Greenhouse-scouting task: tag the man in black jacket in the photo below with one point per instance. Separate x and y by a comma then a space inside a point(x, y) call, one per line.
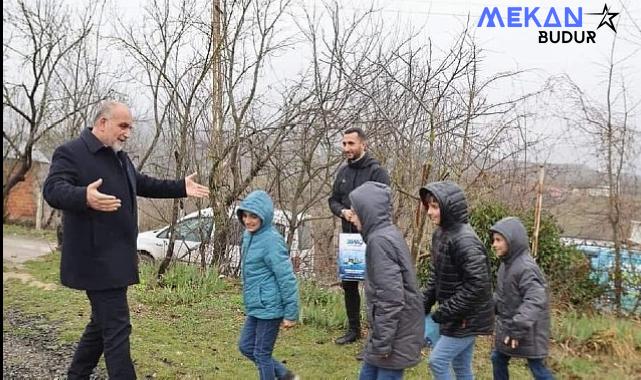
point(100, 231)
point(459, 282)
point(360, 168)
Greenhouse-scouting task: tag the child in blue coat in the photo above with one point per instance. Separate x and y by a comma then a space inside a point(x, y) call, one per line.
point(270, 291)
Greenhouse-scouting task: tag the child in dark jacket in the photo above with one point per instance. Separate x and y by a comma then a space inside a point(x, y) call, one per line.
point(521, 302)
point(270, 291)
point(394, 303)
point(460, 282)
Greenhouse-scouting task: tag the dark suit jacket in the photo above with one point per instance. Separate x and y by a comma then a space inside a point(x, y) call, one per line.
point(99, 248)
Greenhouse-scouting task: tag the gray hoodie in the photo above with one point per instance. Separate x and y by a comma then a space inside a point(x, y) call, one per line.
point(521, 297)
point(394, 304)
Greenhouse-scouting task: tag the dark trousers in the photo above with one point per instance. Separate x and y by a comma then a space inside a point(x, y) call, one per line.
point(257, 342)
point(107, 332)
point(352, 304)
point(500, 363)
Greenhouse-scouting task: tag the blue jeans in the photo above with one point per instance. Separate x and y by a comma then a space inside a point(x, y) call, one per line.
point(500, 361)
point(452, 353)
point(370, 372)
point(257, 341)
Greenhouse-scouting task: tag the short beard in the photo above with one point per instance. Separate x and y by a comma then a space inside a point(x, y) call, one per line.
point(117, 146)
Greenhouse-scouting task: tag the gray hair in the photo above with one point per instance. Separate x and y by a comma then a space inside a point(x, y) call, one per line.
point(104, 110)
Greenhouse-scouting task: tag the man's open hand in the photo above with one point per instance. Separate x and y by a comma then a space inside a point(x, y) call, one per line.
point(99, 201)
point(195, 189)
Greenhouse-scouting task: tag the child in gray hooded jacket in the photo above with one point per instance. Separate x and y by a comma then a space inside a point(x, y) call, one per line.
point(521, 302)
point(394, 303)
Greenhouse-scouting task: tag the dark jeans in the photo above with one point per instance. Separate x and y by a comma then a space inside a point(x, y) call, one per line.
point(500, 362)
point(257, 341)
point(370, 372)
point(352, 304)
point(107, 332)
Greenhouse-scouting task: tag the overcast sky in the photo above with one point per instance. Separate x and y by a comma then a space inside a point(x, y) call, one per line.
point(504, 49)
point(518, 49)
point(508, 49)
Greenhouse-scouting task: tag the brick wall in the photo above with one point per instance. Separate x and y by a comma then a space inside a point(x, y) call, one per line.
point(22, 202)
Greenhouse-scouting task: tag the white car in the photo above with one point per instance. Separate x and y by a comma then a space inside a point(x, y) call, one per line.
point(196, 227)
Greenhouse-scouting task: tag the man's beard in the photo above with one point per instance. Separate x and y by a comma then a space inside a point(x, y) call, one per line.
point(117, 146)
point(356, 155)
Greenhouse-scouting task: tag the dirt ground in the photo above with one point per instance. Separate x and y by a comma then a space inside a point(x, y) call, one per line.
point(36, 353)
point(30, 347)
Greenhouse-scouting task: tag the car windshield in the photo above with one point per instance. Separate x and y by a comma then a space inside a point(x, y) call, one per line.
point(192, 229)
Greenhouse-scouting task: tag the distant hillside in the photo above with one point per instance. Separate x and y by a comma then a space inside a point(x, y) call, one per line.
point(575, 194)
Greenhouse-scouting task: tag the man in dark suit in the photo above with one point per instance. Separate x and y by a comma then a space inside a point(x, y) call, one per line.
point(359, 168)
point(100, 230)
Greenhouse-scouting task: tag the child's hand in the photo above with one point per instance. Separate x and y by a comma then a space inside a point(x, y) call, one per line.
point(287, 323)
point(511, 342)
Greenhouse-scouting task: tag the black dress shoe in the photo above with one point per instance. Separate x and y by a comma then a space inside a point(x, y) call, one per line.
point(350, 337)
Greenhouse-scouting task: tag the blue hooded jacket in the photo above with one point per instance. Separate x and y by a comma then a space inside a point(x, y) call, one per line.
point(270, 290)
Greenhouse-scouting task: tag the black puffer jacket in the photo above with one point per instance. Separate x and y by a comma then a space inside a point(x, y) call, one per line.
point(460, 281)
point(521, 297)
point(351, 176)
point(394, 303)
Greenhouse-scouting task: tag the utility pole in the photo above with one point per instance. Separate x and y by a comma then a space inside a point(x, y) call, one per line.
point(217, 149)
point(216, 69)
point(537, 211)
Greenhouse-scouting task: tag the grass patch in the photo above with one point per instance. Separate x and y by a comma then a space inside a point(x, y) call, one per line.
point(591, 346)
point(23, 231)
point(186, 327)
point(599, 334)
point(323, 307)
point(46, 268)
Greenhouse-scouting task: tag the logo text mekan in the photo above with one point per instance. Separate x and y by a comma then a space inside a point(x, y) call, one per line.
point(566, 17)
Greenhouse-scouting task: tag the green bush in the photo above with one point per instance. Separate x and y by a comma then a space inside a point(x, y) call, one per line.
point(567, 269)
point(423, 270)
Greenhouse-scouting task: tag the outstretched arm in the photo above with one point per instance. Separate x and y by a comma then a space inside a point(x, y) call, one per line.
point(150, 187)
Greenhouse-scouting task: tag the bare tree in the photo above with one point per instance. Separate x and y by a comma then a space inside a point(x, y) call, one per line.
point(428, 116)
point(44, 36)
point(607, 124)
point(175, 73)
point(250, 130)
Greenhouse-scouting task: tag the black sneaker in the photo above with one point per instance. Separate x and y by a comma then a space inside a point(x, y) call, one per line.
point(350, 337)
point(290, 376)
